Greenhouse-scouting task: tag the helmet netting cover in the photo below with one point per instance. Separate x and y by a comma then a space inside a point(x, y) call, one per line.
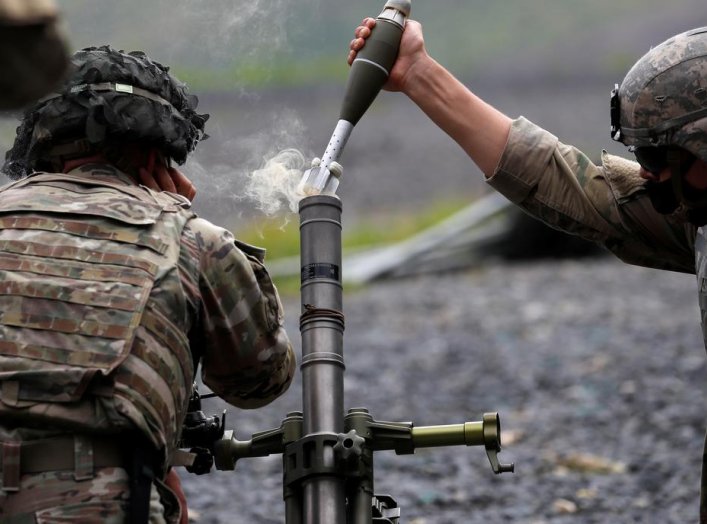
point(104, 117)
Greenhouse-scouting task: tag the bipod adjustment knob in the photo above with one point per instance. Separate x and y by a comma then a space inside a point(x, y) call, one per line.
point(200, 433)
point(492, 443)
point(349, 446)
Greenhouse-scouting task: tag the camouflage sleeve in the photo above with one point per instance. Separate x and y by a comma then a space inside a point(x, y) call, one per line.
point(247, 358)
point(607, 204)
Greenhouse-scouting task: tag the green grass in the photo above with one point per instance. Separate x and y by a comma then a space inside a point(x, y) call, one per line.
point(313, 36)
point(464, 36)
point(282, 239)
point(253, 75)
point(397, 227)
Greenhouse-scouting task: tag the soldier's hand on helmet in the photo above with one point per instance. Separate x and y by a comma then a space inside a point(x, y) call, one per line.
point(411, 56)
point(157, 175)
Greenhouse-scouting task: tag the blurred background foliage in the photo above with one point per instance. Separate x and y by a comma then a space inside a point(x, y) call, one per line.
point(222, 44)
point(271, 74)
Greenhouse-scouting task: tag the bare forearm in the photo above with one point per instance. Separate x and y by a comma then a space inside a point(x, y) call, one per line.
point(480, 129)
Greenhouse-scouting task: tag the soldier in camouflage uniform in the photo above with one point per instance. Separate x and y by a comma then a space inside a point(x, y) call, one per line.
point(111, 294)
point(650, 212)
point(33, 57)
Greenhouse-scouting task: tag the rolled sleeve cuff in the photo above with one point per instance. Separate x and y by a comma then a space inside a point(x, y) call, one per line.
point(517, 173)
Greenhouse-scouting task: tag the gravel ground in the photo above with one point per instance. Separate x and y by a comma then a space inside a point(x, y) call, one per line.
point(596, 368)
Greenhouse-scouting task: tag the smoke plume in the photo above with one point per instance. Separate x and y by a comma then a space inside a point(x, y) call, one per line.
point(234, 30)
point(261, 167)
point(254, 173)
point(273, 186)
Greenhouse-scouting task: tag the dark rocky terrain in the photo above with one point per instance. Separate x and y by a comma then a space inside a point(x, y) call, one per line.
point(596, 368)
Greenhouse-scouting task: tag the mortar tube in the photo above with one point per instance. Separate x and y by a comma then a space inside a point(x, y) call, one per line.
point(322, 365)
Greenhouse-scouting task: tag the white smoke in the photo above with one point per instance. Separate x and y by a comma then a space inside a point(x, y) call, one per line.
point(233, 30)
point(273, 186)
point(278, 164)
point(258, 169)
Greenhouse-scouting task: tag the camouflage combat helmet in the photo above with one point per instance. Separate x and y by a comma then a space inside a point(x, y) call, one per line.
point(110, 97)
point(662, 100)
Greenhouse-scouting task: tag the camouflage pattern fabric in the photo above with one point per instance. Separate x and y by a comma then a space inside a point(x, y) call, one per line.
point(78, 267)
point(33, 55)
point(663, 99)
point(55, 496)
point(109, 296)
point(607, 204)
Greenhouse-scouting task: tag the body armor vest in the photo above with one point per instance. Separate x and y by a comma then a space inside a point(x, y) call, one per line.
point(93, 319)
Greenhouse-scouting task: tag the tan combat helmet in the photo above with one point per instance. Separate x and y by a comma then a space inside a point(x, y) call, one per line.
point(662, 100)
point(33, 56)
